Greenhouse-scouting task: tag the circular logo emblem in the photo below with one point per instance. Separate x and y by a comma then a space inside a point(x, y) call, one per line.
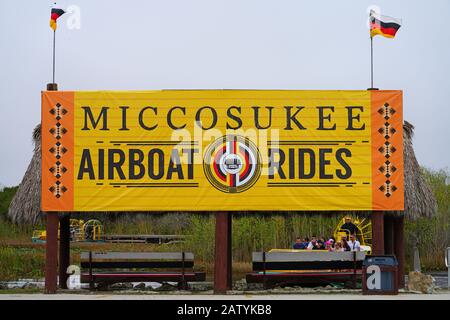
point(232, 164)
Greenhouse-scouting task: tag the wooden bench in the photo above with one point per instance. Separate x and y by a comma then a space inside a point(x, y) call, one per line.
point(305, 267)
point(181, 265)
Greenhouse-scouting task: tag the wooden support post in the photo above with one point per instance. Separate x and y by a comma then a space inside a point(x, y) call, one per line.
point(377, 232)
point(388, 234)
point(223, 258)
point(230, 252)
point(91, 277)
point(51, 244)
point(264, 271)
point(183, 278)
point(64, 249)
point(354, 270)
point(51, 253)
point(399, 249)
point(52, 87)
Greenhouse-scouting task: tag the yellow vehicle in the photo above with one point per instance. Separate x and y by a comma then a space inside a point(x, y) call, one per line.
point(76, 226)
point(39, 236)
point(363, 234)
point(91, 230)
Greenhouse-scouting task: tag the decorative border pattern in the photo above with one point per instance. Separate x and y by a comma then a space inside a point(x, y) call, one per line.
point(387, 149)
point(58, 150)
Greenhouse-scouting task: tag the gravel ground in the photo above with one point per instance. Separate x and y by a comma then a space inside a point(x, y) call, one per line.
point(203, 290)
point(403, 296)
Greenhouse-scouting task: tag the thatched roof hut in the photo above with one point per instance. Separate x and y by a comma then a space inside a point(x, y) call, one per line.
point(419, 198)
point(26, 204)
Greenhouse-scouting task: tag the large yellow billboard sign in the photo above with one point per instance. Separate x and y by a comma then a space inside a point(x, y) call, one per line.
point(229, 150)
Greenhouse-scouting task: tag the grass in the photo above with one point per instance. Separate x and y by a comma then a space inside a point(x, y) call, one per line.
point(21, 291)
point(21, 262)
point(13, 232)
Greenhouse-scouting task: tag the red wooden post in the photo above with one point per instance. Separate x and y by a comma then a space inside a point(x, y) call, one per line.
point(389, 234)
point(230, 252)
point(64, 250)
point(223, 258)
point(399, 249)
point(377, 232)
point(51, 244)
point(51, 253)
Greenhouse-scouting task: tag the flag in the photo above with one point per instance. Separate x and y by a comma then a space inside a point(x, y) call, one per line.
point(56, 13)
point(383, 25)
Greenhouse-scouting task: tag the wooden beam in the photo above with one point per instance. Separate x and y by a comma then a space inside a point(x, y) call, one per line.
point(230, 252)
point(223, 258)
point(377, 232)
point(51, 243)
point(52, 87)
point(137, 256)
point(399, 249)
point(64, 249)
point(51, 253)
point(388, 234)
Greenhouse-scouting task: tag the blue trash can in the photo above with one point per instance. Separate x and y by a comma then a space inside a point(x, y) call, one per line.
point(380, 275)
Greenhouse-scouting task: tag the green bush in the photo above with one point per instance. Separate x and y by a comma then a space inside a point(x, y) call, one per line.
point(432, 236)
point(6, 196)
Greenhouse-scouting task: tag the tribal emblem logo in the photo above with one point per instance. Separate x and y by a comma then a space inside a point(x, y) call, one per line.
point(232, 164)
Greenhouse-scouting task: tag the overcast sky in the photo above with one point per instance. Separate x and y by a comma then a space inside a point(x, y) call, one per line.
point(231, 44)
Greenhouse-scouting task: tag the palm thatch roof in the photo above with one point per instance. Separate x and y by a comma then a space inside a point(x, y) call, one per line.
point(419, 198)
point(25, 207)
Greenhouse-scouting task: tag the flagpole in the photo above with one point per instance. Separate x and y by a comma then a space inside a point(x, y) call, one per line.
point(371, 53)
point(371, 62)
point(54, 45)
